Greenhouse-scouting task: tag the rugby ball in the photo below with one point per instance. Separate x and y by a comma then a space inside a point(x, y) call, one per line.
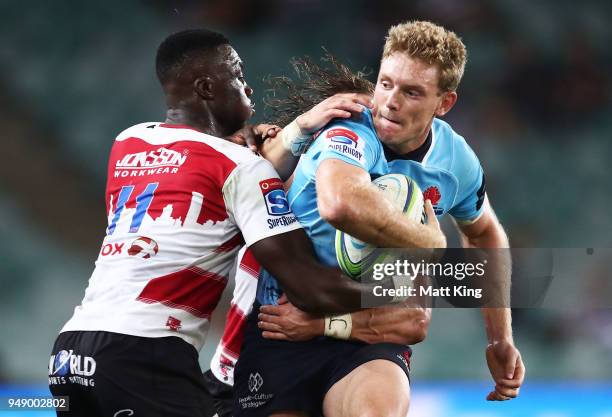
point(356, 257)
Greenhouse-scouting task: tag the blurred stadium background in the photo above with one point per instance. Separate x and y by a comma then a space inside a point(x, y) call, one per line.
point(535, 104)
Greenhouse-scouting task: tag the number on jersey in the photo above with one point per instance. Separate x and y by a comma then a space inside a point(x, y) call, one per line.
point(143, 202)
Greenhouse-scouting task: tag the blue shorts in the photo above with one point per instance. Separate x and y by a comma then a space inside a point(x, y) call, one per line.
point(273, 375)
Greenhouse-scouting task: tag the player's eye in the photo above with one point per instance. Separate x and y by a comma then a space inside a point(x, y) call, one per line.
point(385, 84)
point(240, 76)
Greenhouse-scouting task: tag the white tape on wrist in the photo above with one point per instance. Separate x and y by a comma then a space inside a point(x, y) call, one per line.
point(294, 140)
point(339, 327)
point(401, 285)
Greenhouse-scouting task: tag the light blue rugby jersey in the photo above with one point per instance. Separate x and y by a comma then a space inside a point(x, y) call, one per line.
point(351, 141)
point(447, 170)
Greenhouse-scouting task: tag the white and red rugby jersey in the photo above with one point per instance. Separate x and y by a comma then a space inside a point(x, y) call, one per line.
point(226, 355)
point(180, 205)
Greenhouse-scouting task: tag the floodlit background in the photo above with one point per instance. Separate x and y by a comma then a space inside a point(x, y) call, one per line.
point(535, 104)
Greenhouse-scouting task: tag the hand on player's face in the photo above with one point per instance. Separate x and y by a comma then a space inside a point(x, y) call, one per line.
point(253, 136)
point(342, 105)
point(507, 369)
point(286, 322)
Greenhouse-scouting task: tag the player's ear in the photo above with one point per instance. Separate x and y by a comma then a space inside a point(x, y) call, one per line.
point(204, 87)
point(449, 99)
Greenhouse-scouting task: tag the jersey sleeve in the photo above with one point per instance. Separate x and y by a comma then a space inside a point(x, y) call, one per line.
point(471, 192)
point(350, 142)
point(256, 201)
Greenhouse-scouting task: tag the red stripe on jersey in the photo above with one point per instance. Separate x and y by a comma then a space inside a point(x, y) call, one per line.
point(133, 162)
point(249, 264)
point(233, 335)
point(193, 290)
point(232, 243)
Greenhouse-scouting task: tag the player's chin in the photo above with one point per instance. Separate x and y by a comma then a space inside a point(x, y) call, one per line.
point(245, 111)
point(388, 138)
point(249, 107)
point(390, 135)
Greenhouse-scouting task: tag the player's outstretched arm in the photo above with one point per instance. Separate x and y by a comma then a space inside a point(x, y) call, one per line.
point(314, 288)
point(503, 358)
point(348, 201)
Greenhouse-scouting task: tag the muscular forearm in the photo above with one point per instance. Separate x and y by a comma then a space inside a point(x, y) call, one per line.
point(328, 291)
point(356, 208)
point(498, 324)
point(391, 325)
point(497, 317)
point(383, 226)
point(403, 324)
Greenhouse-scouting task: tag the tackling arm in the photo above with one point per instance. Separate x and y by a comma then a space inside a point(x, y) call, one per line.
point(404, 325)
point(308, 284)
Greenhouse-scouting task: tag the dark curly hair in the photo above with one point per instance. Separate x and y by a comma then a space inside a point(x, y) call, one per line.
point(183, 48)
point(287, 98)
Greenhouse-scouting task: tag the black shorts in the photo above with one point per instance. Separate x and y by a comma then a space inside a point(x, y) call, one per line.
point(273, 375)
point(110, 374)
point(221, 396)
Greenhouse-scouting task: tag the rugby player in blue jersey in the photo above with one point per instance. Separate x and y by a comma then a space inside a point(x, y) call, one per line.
point(421, 68)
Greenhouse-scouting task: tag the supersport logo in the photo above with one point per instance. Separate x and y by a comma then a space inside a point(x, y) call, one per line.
point(343, 136)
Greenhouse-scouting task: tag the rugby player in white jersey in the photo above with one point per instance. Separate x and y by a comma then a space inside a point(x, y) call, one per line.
point(181, 201)
point(420, 70)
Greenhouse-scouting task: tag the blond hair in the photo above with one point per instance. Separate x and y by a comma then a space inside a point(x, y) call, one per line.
point(434, 45)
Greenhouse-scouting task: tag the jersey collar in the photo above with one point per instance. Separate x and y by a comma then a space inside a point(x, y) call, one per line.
point(416, 155)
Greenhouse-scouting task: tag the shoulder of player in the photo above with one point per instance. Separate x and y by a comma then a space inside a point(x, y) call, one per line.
point(157, 133)
point(360, 128)
point(453, 144)
point(244, 175)
point(135, 130)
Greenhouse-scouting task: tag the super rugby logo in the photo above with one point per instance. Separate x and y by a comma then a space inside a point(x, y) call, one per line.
point(346, 142)
point(274, 196)
point(343, 136)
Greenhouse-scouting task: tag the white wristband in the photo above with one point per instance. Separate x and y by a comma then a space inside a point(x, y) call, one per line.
point(339, 326)
point(294, 140)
